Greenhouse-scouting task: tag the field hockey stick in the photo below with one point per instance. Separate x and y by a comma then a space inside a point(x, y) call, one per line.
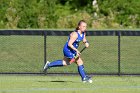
point(82, 49)
point(73, 60)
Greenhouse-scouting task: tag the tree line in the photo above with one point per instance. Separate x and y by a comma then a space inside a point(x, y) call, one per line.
point(44, 14)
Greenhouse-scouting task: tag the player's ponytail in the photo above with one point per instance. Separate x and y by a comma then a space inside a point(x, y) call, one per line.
point(79, 23)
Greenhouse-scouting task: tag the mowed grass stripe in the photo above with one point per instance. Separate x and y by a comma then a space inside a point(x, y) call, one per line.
point(42, 84)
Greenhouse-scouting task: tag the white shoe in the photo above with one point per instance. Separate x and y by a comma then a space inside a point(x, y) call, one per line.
point(46, 65)
point(87, 79)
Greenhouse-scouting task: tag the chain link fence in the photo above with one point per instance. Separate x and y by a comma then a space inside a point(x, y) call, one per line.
point(26, 51)
point(21, 54)
point(130, 54)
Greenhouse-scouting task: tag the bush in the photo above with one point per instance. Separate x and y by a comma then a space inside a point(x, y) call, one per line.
point(71, 21)
point(66, 13)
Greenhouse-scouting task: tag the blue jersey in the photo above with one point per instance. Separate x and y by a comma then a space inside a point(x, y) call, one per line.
point(70, 53)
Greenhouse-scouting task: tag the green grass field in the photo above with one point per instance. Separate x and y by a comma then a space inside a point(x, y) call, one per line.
point(68, 84)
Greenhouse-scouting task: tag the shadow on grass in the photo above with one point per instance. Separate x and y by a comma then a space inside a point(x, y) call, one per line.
point(57, 81)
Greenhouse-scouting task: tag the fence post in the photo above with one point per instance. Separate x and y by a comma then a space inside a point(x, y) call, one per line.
point(119, 53)
point(45, 47)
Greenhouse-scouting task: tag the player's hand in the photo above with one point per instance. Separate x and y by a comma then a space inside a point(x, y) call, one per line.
point(78, 53)
point(87, 45)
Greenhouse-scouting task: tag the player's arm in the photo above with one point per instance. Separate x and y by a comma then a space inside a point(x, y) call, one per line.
point(85, 41)
point(73, 37)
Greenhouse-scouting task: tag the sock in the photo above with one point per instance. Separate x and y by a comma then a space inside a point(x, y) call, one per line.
point(56, 63)
point(81, 71)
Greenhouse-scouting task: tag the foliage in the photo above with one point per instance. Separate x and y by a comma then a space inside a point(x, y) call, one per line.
point(125, 12)
point(52, 13)
point(72, 19)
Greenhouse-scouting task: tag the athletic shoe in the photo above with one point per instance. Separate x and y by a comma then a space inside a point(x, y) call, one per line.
point(87, 79)
point(46, 66)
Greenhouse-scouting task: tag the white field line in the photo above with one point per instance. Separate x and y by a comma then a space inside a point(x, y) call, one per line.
point(69, 89)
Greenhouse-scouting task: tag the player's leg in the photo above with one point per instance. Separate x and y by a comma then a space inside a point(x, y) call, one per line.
point(80, 67)
point(66, 61)
point(56, 63)
point(81, 71)
point(67, 56)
